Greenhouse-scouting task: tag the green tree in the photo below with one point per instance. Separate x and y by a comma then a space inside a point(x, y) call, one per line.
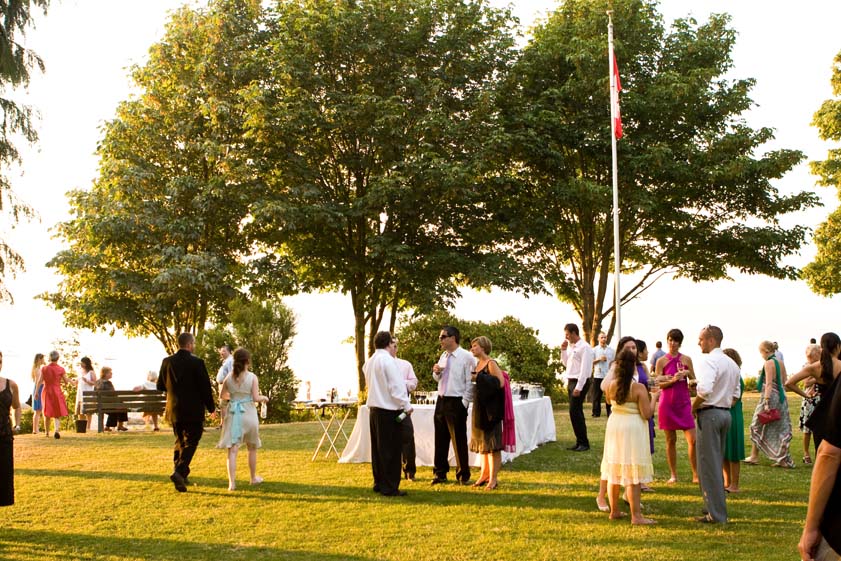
point(266, 329)
point(369, 133)
point(524, 355)
point(155, 247)
point(16, 119)
point(696, 197)
point(823, 275)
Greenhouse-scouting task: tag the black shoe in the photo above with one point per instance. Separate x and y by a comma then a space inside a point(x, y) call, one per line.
point(596, 416)
point(57, 436)
point(397, 493)
point(410, 477)
point(179, 481)
point(438, 480)
point(463, 481)
point(573, 447)
point(581, 448)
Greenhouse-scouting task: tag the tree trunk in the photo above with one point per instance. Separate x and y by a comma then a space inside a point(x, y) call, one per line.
point(359, 337)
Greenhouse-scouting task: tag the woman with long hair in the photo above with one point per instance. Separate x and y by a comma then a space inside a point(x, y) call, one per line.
point(771, 438)
point(37, 388)
point(241, 425)
point(629, 344)
point(643, 378)
point(627, 459)
point(674, 375)
point(86, 382)
point(823, 373)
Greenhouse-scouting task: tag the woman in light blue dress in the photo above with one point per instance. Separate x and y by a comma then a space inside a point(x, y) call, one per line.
point(241, 425)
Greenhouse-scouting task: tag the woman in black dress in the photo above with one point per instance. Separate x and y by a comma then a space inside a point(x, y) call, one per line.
point(488, 411)
point(9, 399)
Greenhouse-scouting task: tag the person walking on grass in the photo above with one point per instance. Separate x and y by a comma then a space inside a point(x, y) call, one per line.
point(184, 378)
point(55, 406)
point(241, 424)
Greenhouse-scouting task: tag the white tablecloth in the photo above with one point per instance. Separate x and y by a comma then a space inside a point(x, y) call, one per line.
point(533, 418)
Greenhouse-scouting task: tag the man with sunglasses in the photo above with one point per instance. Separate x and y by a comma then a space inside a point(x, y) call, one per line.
point(453, 372)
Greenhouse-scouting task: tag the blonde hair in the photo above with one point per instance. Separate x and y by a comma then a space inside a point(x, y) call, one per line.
point(483, 342)
point(103, 371)
point(152, 376)
point(813, 351)
point(768, 346)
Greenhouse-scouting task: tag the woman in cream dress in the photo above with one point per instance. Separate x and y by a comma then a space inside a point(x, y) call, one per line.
point(241, 425)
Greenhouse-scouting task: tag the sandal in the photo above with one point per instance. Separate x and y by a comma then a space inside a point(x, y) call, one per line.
point(807, 459)
point(751, 462)
point(480, 483)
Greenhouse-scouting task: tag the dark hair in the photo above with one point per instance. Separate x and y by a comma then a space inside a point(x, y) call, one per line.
point(185, 339)
point(382, 339)
point(658, 344)
point(641, 346)
point(733, 355)
point(226, 346)
point(241, 359)
point(572, 328)
point(830, 345)
point(675, 335)
point(812, 341)
point(621, 344)
point(86, 364)
point(452, 332)
point(626, 367)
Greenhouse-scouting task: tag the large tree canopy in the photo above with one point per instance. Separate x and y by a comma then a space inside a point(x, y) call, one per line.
point(16, 64)
point(155, 246)
point(370, 132)
point(824, 274)
point(696, 195)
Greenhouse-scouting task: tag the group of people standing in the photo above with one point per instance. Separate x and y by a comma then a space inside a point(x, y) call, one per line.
point(463, 378)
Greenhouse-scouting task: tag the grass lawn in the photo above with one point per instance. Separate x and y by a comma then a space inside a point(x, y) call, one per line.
point(108, 497)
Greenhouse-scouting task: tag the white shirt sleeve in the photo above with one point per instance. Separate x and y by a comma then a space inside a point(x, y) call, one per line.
point(586, 367)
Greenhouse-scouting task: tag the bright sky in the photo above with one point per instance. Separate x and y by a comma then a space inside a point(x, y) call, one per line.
point(87, 46)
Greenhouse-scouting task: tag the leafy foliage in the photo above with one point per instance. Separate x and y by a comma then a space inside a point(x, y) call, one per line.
point(155, 246)
point(369, 132)
point(526, 356)
point(823, 275)
point(695, 198)
point(16, 64)
point(266, 329)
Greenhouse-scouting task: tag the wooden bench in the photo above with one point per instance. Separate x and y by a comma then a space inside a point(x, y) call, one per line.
point(121, 401)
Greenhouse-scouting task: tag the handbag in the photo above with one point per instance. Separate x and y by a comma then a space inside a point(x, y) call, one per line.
point(769, 416)
point(29, 401)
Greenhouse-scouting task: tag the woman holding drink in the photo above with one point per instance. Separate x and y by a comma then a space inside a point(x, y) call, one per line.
point(674, 376)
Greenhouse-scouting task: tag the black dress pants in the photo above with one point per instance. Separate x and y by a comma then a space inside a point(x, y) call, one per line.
point(407, 436)
point(450, 423)
point(597, 397)
point(385, 449)
point(187, 437)
point(576, 412)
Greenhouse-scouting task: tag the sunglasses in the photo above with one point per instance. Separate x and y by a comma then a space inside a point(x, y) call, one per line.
point(442, 337)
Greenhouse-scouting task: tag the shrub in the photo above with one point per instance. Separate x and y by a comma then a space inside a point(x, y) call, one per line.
point(517, 345)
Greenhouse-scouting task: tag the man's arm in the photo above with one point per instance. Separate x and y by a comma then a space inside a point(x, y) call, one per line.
point(411, 379)
point(204, 387)
point(586, 369)
point(469, 388)
point(162, 374)
point(396, 384)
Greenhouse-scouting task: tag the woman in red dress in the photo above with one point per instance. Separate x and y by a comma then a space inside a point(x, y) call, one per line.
point(55, 406)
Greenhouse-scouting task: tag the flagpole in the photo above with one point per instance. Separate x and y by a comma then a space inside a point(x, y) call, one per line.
point(617, 260)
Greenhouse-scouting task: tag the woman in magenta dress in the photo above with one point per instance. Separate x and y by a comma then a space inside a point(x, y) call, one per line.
point(674, 374)
point(55, 406)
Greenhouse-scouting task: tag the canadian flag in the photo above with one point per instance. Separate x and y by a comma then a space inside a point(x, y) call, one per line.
point(615, 88)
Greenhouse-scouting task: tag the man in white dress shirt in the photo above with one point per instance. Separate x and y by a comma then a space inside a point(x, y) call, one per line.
point(227, 367)
point(453, 372)
point(718, 389)
point(602, 357)
point(407, 429)
point(577, 357)
point(388, 406)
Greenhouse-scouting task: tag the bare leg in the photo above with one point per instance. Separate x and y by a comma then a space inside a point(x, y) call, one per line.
point(36, 422)
point(47, 426)
point(735, 471)
point(601, 499)
point(725, 471)
point(613, 495)
point(693, 456)
point(252, 465)
point(633, 492)
point(671, 454)
point(754, 454)
point(495, 463)
point(232, 467)
point(807, 437)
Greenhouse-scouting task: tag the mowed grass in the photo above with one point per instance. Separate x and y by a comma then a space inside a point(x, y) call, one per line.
point(108, 497)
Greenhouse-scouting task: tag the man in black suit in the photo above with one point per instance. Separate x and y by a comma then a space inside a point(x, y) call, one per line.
point(186, 382)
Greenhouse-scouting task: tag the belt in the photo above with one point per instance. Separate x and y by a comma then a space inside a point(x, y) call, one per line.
point(713, 407)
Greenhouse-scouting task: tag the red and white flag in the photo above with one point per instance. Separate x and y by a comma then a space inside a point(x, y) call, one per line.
point(615, 88)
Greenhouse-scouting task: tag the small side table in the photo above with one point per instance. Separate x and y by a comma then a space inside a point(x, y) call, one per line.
point(336, 413)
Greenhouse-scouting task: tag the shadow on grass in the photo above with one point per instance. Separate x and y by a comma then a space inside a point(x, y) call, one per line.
point(18, 544)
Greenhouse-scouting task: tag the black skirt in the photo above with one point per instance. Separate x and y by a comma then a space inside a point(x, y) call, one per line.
point(7, 472)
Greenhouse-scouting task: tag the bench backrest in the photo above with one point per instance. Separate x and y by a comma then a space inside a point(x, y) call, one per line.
point(147, 401)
